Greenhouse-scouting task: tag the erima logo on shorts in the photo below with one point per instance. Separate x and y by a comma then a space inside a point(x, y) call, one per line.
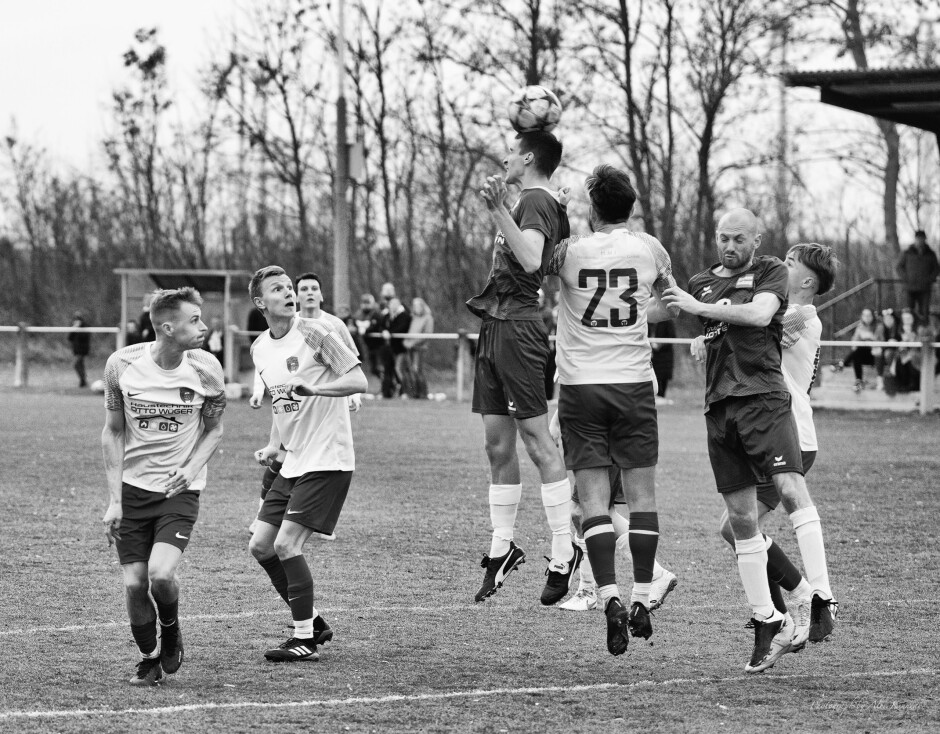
point(778, 461)
point(512, 407)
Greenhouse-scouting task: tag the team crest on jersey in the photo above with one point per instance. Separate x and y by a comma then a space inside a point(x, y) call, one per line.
point(293, 364)
point(746, 281)
point(187, 394)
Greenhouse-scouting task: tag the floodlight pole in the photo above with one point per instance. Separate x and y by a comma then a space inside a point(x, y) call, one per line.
point(341, 301)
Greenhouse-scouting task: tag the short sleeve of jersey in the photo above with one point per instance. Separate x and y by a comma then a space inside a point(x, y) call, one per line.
point(795, 325)
point(113, 397)
point(328, 348)
point(212, 380)
point(661, 259)
point(557, 261)
point(536, 209)
point(773, 279)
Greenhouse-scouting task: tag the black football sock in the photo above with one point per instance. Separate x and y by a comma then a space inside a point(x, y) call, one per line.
point(275, 570)
point(145, 635)
point(644, 538)
point(299, 590)
point(780, 569)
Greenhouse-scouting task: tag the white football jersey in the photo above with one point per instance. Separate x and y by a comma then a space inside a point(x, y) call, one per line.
point(607, 279)
point(163, 410)
point(315, 431)
point(802, 330)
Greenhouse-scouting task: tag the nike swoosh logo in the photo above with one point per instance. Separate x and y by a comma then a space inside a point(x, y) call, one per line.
point(293, 512)
point(132, 394)
point(182, 537)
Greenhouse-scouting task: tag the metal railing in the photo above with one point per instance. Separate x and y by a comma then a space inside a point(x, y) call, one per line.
point(463, 339)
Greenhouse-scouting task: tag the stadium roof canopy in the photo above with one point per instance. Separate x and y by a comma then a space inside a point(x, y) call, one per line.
point(906, 96)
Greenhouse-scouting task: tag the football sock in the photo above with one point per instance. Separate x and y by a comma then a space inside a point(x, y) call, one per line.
point(780, 569)
point(599, 538)
point(169, 627)
point(275, 570)
point(622, 531)
point(803, 591)
point(145, 635)
point(504, 501)
point(556, 498)
point(644, 537)
point(587, 572)
point(752, 566)
point(303, 629)
point(776, 596)
point(608, 592)
point(809, 537)
point(299, 590)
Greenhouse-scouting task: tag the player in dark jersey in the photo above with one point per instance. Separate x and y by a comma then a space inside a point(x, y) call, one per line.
point(741, 301)
point(508, 389)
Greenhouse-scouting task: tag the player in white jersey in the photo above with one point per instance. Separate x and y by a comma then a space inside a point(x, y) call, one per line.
point(606, 405)
point(309, 372)
point(811, 270)
point(310, 297)
point(163, 422)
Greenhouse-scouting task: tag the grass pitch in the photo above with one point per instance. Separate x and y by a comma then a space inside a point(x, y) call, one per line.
point(412, 651)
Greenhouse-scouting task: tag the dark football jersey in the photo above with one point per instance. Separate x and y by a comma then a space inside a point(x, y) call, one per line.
point(742, 360)
point(511, 292)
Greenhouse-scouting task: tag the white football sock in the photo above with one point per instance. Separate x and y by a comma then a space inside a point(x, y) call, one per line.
point(809, 537)
point(752, 566)
point(606, 593)
point(802, 591)
point(587, 573)
point(303, 628)
point(641, 593)
point(504, 501)
point(556, 498)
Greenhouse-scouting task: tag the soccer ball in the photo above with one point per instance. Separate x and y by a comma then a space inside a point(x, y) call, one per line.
point(534, 108)
point(97, 386)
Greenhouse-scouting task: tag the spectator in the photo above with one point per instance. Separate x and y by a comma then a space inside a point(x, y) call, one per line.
point(886, 330)
point(81, 344)
point(908, 360)
point(215, 339)
point(860, 355)
point(550, 320)
point(394, 364)
point(663, 359)
point(918, 268)
point(131, 333)
point(369, 331)
point(144, 324)
point(422, 322)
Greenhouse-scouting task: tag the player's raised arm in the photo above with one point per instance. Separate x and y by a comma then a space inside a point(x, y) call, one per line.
point(759, 312)
point(526, 245)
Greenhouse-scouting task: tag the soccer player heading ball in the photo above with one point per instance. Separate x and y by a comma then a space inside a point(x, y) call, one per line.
point(534, 108)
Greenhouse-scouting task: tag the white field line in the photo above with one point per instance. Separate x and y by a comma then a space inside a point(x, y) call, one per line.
point(284, 612)
point(447, 695)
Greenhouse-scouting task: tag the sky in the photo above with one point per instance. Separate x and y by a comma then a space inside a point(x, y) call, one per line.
point(61, 59)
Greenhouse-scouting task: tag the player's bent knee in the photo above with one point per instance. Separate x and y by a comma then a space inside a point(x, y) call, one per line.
point(287, 549)
point(261, 550)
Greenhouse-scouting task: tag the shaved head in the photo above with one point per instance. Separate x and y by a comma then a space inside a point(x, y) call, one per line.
point(740, 220)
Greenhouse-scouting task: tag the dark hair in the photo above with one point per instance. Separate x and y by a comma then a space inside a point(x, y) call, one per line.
point(821, 260)
point(165, 301)
point(612, 194)
point(307, 276)
point(254, 285)
point(546, 150)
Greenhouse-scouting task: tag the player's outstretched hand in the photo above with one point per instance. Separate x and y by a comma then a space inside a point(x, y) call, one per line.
point(177, 481)
point(675, 297)
point(255, 400)
point(494, 192)
point(299, 387)
point(564, 195)
point(355, 402)
point(112, 522)
point(266, 455)
point(697, 348)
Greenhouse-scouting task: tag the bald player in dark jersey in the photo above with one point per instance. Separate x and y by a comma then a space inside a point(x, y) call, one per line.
point(741, 301)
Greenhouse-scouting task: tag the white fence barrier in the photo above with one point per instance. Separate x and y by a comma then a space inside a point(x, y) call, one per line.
point(463, 339)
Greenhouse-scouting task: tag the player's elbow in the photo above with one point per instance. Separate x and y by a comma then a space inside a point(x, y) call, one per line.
point(531, 266)
point(359, 383)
